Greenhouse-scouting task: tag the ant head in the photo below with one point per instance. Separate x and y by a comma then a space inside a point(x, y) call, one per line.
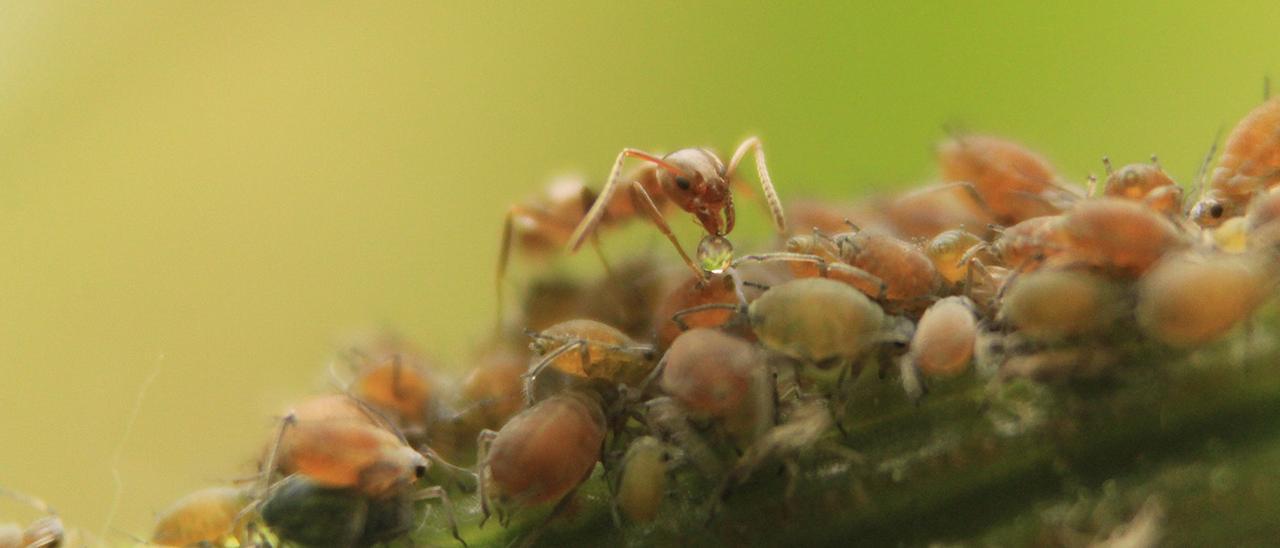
point(695, 180)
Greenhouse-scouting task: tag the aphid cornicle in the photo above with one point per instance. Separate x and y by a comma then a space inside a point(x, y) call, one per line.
point(211, 516)
point(1250, 164)
point(1188, 300)
point(695, 180)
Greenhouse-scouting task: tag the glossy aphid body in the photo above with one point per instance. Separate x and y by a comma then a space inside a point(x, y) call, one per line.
point(1053, 305)
point(911, 281)
point(1015, 183)
point(1144, 183)
point(44, 532)
point(696, 181)
point(587, 353)
point(1119, 236)
point(542, 454)
point(1190, 300)
point(716, 376)
point(1250, 164)
point(212, 516)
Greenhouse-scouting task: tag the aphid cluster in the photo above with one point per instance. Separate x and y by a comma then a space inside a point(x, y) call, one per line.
point(685, 379)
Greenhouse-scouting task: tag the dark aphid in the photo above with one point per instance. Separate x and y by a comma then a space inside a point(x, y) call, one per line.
point(302, 511)
point(695, 180)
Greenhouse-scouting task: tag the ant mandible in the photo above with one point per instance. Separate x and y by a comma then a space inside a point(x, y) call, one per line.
point(697, 181)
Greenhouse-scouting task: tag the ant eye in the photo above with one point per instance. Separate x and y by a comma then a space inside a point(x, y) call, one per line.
point(419, 471)
point(683, 183)
point(1215, 210)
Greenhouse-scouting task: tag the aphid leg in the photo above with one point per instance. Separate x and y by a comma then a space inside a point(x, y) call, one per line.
point(483, 441)
point(912, 381)
point(438, 492)
point(463, 477)
point(667, 420)
point(532, 374)
point(641, 200)
point(597, 211)
point(766, 183)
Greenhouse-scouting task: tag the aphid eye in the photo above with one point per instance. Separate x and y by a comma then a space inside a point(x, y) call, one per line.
point(419, 471)
point(683, 183)
point(1215, 210)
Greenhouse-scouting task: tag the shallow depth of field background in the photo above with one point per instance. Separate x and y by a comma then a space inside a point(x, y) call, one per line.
point(221, 192)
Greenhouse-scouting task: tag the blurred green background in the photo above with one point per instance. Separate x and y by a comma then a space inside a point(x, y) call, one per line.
point(220, 191)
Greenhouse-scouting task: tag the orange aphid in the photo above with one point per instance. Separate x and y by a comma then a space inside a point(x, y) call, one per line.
point(693, 292)
point(947, 251)
point(209, 516)
point(398, 385)
point(943, 343)
point(1146, 183)
point(1016, 184)
point(543, 453)
point(909, 277)
point(1188, 300)
point(495, 386)
point(1250, 164)
point(926, 212)
point(1024, 245)
point(1119, 236)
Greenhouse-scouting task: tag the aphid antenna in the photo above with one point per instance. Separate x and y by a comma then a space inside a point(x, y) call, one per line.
point(1106, 165)
point(1091, 185)
point(1199, 187)
point(1155, 161)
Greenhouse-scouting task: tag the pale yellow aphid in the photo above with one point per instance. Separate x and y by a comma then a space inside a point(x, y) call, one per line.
point(1189, 300)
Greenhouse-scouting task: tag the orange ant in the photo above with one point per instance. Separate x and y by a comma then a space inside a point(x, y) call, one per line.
point(45, 532)
point(694, 179)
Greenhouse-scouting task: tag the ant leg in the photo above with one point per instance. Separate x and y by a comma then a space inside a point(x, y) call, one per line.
point(766, 183)
point(641, 200)
point(597, 211)
point(438, 492)
point(866, 282)
point(531, 375)
point(483, 441)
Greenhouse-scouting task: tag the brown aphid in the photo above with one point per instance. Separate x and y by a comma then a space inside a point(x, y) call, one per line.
point(1250, 164)
point(212, 516)
point(400, 385)
point(696, 294)
point(1144, 183)
point(542, 454)
point(943, 343)
point(910, 279)
point(926, 212)
point(1016, 183)
point(718, 376)
point(695, 180)
point(1191, 300)
point(44, 532)
point(493, 391)
point(1119, 236)
point(1050, 305)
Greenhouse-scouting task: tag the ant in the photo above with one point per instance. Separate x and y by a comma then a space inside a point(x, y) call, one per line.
point(696, 180)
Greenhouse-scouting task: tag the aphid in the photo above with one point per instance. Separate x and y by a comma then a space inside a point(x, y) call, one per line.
point(1051, 305)
point(947, 252)
point(1145, 183)
point(1250, 164)
point(642, 484)
point(824, 325)
point(542, 454)
point(586, 351)
point(911, 281)
point(493, 390)
point(717, 376)
point(210, 516)
point(45, 532)
point(1015, 183)
point(926, 212)
point(303, 511)
point(1260, 222)
point(695, 180)
point(1119, 236)
point(694, 293)
point(403, 387)
point(943, 343)
point(1188, 300)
